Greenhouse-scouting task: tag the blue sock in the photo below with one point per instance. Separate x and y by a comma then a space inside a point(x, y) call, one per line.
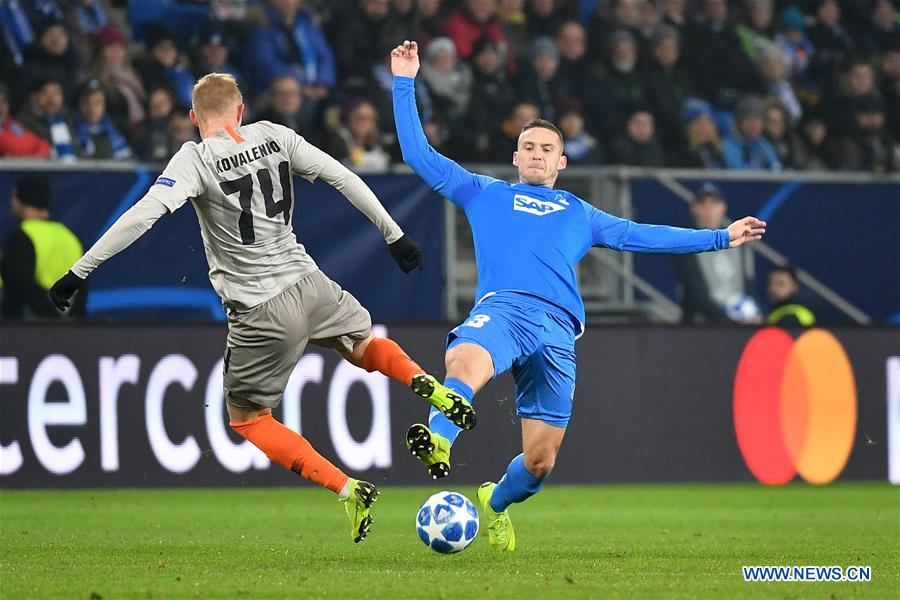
point(517, 485)
point(440, 424)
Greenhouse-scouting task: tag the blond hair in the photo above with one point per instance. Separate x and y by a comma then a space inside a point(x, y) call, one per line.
point(214, 94)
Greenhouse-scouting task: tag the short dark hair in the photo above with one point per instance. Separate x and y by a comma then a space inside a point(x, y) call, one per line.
point(34, 190)
point(542, 124)
point(788, 268)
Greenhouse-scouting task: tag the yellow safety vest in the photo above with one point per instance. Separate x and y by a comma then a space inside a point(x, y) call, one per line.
point(804, 316)
point(56, 249)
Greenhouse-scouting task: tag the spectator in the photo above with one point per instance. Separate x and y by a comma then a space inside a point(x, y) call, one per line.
point(154, 143)
point(495, 97)
point(381, 94)
point(19, 33)
point(283, 104)
point(432, 14)
point(38, 252)
point(15, 138)
point(52, 56)
point(181, 131)
point(884, 30)
point(714, 55)
point(890, 88)
point(623, 16)
point(673, 14)
point(90, 16)
point(449, 81)
point(291, 43)
point(504, 140)
point(539, 83)
point(649, 18)
point(354, 34)
point(624, 86)
point(580, 147)
point(85, 19)
point(125, 92)
point(667, 84)
point(789, 146)
point(578, 78)
point(868, 146)
point(212, 53)
point(164, 66)
point(787, 305)
point(814, 133)
point(404, 24)
point(48, 117)
point(545, 16)
point(773, 65)
point(357, 143)
point(832, 42)
point(711, 282)
point(857, 83)
point(746, 148)
point(514, 23)
point(475, 19)
point(639, 146)
point(703, 145)
point(96, 133)
point(793, 40)
point(756, 31)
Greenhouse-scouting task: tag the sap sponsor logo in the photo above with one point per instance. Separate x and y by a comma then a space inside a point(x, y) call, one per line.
point(59, 410)
point(534, 206)
point(165, 181)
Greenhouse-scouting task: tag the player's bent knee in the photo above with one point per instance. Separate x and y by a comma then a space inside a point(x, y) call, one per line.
point(540, 464)
point(470, 363)
point(242, 416)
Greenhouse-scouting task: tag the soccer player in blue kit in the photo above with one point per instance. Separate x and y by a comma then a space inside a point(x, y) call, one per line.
point(528, 238)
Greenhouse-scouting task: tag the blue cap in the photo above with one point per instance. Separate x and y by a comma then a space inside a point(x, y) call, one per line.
point(708, 189)
point(693, 108)
point(793, 18)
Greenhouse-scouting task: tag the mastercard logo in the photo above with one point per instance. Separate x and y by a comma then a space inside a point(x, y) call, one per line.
point(794, 406)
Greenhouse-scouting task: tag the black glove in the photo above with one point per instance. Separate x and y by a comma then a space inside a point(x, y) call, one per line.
point(407, 254)
point(62, 291)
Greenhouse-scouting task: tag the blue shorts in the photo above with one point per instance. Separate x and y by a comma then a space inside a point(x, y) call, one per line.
point(536, 339)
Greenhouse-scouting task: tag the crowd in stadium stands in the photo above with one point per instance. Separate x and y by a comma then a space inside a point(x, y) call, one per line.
point(741, 84)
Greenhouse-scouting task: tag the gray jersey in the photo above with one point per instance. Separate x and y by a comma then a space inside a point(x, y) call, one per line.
point(240, 183)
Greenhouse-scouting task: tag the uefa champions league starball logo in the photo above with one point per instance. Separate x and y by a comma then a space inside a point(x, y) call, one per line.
point(447, 522)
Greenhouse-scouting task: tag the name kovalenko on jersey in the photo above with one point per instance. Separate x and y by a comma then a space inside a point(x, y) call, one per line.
point(247, 156)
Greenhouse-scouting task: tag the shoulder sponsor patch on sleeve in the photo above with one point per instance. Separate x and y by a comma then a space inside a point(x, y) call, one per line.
point(165, 181)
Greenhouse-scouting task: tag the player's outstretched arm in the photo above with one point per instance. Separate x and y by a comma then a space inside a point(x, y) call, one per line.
point(125, 231)
point(745, 231)
point(609, 231)
point(178, 183)
point(439, 172)
point(312, 163)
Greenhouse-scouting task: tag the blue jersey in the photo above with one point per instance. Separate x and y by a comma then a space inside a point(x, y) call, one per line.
point(529, 238)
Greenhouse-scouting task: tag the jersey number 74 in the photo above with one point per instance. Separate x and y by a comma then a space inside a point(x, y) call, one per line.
point(243, 186)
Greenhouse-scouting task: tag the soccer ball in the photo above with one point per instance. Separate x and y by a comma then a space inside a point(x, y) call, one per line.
point(742, 308)
point(447, 522)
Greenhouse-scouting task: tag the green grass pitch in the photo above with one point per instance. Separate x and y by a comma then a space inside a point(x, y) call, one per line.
point(574, 542)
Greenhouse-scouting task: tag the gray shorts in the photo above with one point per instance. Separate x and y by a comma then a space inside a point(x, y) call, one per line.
point(265, 342)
